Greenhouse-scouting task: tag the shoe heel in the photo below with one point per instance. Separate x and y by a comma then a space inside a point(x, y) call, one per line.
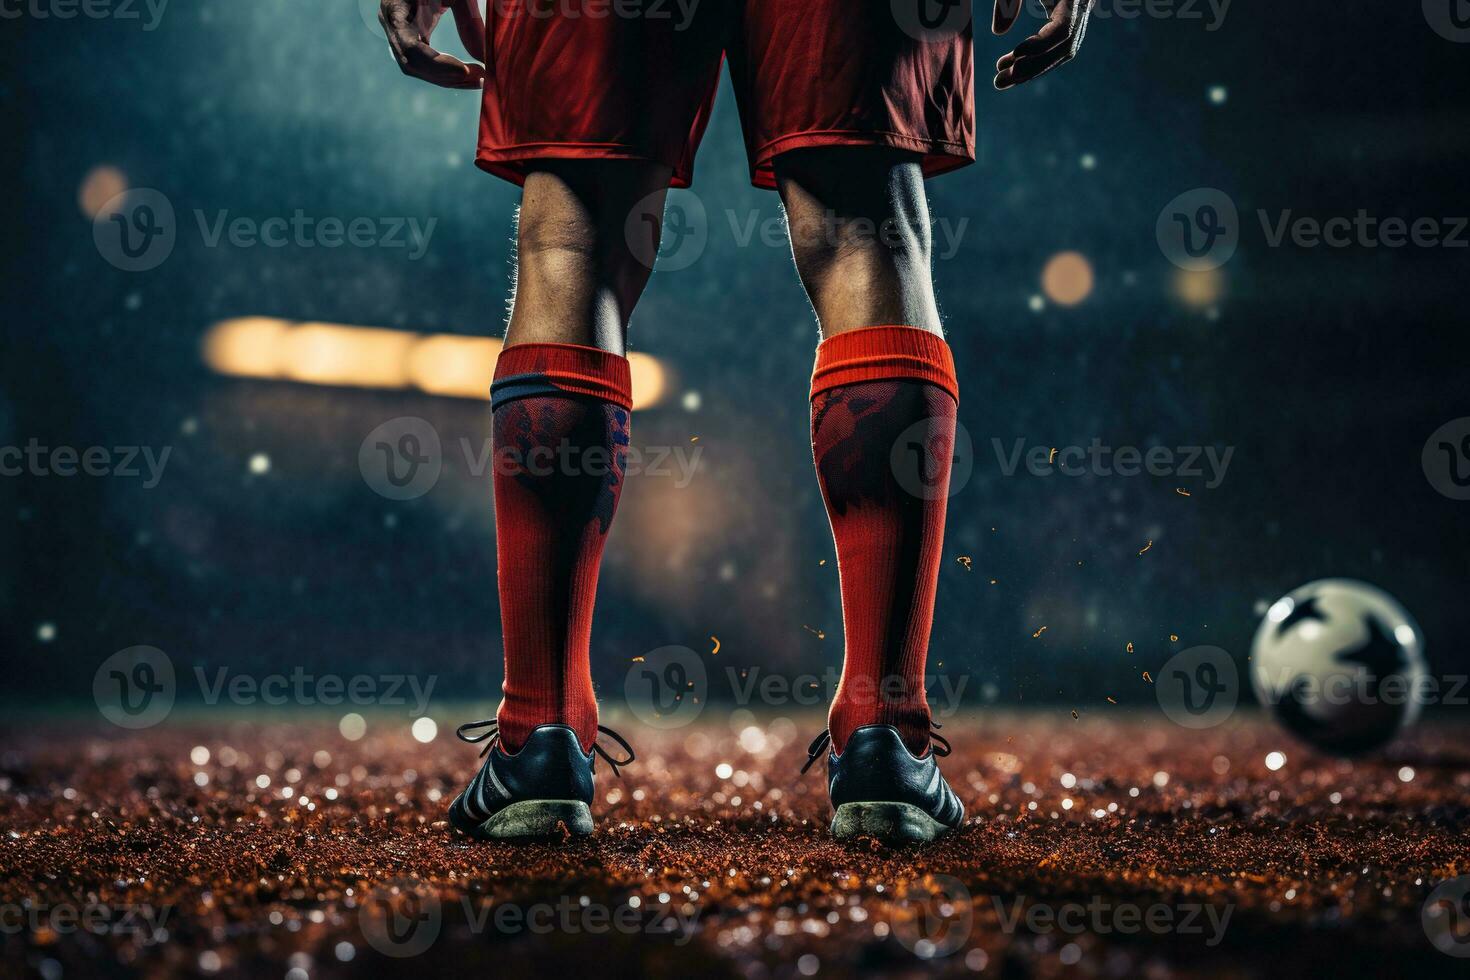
point(539, 818)
point(891, 823)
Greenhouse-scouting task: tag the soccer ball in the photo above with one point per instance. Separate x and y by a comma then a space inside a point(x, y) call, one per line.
point(1340, 664)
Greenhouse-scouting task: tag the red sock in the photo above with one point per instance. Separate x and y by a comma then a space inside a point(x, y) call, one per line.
point(560, 444)
point(872, 390)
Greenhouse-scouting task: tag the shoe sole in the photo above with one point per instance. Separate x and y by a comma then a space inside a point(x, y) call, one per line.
point(542, 819)
point(892, 823)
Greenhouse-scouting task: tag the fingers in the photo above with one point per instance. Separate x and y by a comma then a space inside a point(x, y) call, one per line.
point(1052, 46)
point(414, 55)
point(1026, 69)
point(1006, 12)
point(1051, 34)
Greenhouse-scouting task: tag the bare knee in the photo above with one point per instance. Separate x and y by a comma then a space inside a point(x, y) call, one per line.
point(578, 272)
point(860, 236)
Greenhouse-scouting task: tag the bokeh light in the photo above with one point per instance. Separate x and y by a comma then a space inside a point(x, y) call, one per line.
point(99, 188)
point(1067, 278)
point(1199, 287)
point(447, 365)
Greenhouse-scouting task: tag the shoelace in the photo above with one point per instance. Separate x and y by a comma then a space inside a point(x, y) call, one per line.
point(938, 744)
point(489, 733)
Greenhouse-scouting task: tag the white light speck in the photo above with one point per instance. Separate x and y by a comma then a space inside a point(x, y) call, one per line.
point(692, 401)
point(352, 726)
point(1219, 94)
point(424, 729)
point(46, 632)
point(199, 755)
point(1068, 780)
point(1089, 162)
point(724, 770)
point(1275, 760)
point(1036, 304)
point(1404, 633)
point(1406, 774)
point(345, 951)
point(260, 464)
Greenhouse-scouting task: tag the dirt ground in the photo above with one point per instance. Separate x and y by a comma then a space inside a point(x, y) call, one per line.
point(1119, 848)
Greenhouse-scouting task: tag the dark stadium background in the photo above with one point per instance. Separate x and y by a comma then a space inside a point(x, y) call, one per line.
point(1325, 369)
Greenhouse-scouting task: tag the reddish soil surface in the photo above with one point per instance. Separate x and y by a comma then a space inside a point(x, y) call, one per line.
point(1127, 848)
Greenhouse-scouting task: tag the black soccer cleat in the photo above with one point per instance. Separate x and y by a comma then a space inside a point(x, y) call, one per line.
point(880, 789)
point(542, 791)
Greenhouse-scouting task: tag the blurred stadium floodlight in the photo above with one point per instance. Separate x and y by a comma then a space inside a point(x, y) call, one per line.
point(369, 357)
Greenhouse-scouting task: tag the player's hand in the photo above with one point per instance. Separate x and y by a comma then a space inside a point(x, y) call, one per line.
point(409, 25)
point(1055, 44)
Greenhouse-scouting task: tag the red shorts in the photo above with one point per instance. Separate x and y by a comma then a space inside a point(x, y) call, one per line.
point(636, 79)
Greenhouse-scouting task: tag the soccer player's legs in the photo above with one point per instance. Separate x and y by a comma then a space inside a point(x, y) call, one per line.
point(884, 378)
point(561, 403)
point(860, 236)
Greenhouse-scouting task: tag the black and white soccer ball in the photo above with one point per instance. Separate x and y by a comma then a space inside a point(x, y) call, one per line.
point(1340, 664)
